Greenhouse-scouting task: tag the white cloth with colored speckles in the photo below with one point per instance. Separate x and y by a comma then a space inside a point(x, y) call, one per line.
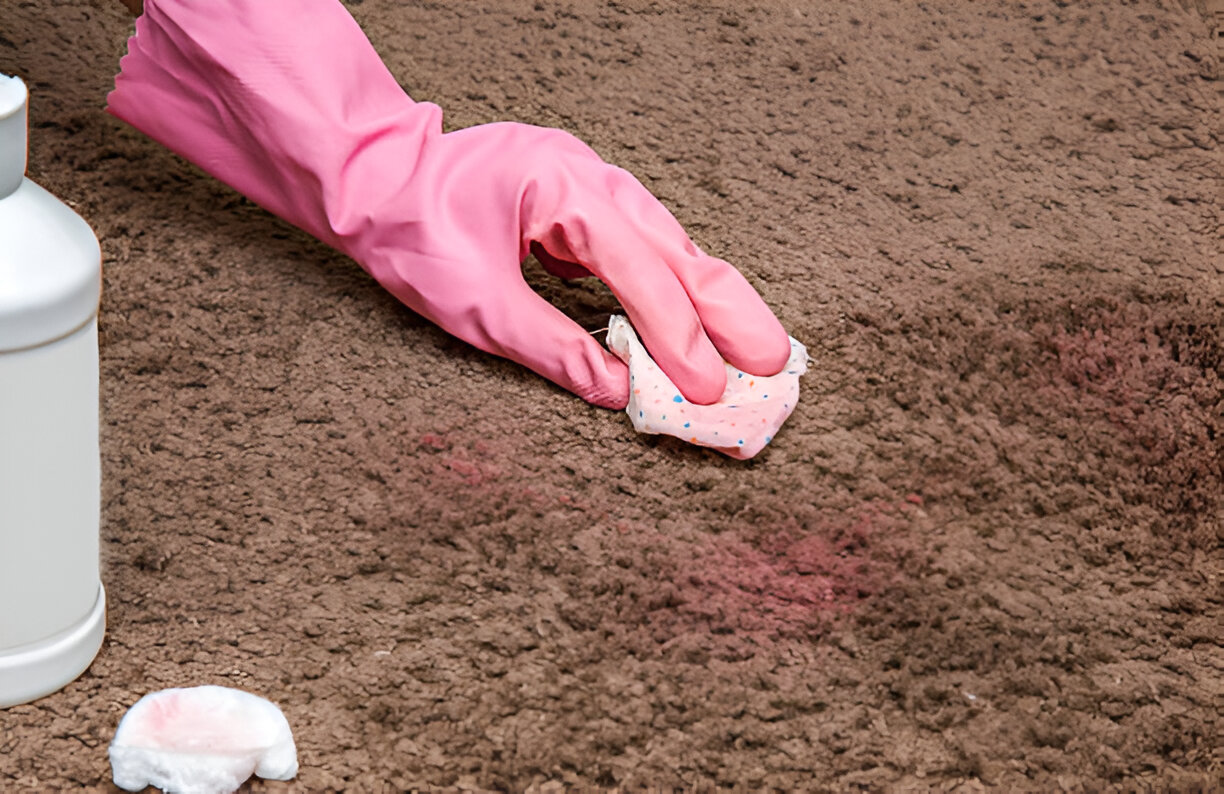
point(740, 424)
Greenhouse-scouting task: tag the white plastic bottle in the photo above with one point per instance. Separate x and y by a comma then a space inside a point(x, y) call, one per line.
point(52, 607)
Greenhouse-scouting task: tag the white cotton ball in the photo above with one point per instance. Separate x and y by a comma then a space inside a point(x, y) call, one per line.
point(201, 740)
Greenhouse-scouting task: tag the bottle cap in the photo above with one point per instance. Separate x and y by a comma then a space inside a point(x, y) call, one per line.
point(13, 101)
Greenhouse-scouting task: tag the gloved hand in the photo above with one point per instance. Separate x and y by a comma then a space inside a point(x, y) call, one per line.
point(287, 102)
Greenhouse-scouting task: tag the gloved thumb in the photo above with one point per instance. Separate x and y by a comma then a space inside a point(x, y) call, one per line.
point(526, 328)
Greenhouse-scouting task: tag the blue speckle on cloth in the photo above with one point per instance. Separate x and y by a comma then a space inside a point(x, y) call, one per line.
point(677, 399)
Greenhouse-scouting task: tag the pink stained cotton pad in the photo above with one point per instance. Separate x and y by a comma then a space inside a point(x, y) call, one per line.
point(201, 740)
point(740, 424)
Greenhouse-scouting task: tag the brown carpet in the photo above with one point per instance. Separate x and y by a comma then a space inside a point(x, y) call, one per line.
point(986, 549)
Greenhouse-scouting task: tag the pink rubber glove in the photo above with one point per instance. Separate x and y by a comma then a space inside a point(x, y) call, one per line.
point(287, 102)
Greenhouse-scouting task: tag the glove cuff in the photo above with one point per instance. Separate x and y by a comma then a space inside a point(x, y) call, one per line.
point(286, 101)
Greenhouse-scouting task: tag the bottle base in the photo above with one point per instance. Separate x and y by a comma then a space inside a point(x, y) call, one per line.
point(31, 671)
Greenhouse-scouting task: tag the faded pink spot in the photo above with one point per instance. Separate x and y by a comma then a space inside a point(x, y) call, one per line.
point(434, 441)
point(790, 580)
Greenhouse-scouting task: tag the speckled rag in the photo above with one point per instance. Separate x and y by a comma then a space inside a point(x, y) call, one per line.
point(740, 424)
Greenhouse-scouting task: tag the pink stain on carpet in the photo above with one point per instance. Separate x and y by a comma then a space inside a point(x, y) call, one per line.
point(792, 580)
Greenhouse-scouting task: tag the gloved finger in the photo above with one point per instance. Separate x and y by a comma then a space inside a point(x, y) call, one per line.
point(736, 318)
point(734, 315)
point(495, 310)
point(560, 268)
point(524, 327)
point(602, 240)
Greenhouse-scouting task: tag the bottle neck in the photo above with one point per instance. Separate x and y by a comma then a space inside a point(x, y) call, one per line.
point(14, 99)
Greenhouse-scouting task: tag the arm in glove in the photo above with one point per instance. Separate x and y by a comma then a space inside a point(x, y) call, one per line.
point(287, 102)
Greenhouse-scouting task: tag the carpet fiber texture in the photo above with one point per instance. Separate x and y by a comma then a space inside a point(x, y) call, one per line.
point(985, 551)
